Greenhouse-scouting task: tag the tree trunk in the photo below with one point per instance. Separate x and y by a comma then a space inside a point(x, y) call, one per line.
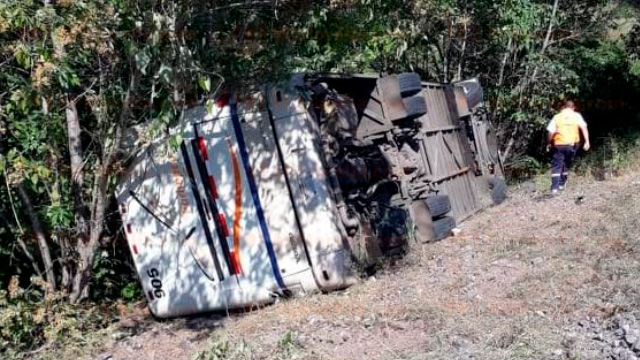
point(86, 248)
point(19, 239)
point(65, 265)
point(80, 207)
point(547, 37)
point(510, 144)
point(462, 53)
point(38, 231)
point(525, 81)
point(447, 59)
point(56, 200)
point(63, 242)
point(503, 64)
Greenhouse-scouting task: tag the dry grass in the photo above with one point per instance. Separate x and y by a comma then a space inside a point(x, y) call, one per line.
point(508, 287)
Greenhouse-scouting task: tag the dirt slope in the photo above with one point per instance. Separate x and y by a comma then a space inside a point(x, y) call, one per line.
point(515, 284)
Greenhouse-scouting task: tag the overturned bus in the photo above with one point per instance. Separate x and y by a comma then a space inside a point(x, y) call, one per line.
point(291, 189)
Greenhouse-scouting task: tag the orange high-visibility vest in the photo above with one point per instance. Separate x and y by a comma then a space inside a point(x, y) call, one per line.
point(567, 127)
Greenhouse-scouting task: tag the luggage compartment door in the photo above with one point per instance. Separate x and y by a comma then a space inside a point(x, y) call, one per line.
point(252, 198)
point(312, 197)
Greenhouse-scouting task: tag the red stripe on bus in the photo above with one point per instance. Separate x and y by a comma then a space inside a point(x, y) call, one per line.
point(202, 146)
point(213, 187)
point(223, 224)
point(222, 100)
point(235, 263)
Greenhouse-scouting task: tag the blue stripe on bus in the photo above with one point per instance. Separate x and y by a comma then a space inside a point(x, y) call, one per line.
point(254, 194)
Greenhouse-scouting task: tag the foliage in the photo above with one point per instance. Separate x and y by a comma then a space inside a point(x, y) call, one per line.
point(287, 347)
point(221, 349)
point(29, 320)
point(613, 156)
point(113, 277)
point(97, 67)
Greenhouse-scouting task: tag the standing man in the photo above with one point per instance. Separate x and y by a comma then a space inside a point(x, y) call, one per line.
point(564, 136)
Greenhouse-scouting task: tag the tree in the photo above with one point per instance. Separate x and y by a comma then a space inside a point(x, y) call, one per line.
point(63, 58)
point(76, 74)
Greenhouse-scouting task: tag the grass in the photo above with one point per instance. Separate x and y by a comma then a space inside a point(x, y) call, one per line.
point(609, 157)
point(555, 284)
point(504, 295)
point(223, 349)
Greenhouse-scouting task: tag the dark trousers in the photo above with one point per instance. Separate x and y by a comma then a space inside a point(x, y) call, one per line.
point(561, 162)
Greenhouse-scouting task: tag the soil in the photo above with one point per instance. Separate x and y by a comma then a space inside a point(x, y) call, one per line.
point(533, 278)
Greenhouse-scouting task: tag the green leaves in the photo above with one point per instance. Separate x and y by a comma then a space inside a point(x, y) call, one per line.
point(22, 56)
point(635, 68)
point(67, 77)
point(166, 74)
point(171, 48)
point(142, 61)
point(205, 83)
point(131, 291)
point(59, 215)
point(209, 105)
point(29, 134)
point(174, 142)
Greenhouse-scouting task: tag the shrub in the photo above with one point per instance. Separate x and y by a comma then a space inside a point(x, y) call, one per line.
point(29, 319)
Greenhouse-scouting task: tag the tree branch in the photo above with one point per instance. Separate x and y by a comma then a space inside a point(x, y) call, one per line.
point(38, 230)
point(21, 243)
point(547, 37)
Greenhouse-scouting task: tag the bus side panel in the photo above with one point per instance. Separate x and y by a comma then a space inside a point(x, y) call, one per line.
point(166, 237)
point(311, 193)
point(275, 199)
point(237, 207)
